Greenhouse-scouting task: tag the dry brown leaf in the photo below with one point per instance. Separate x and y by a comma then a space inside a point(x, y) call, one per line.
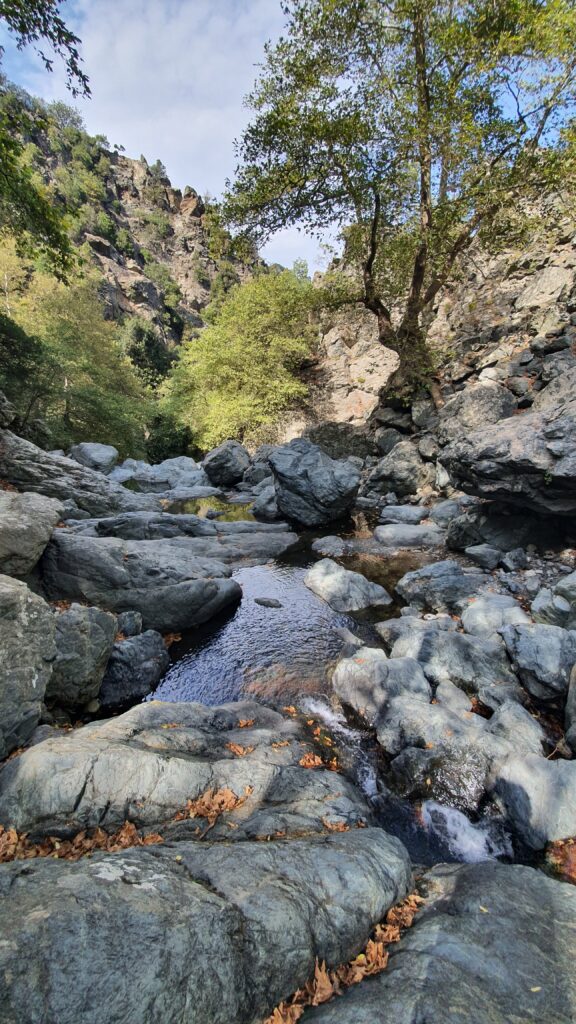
point(238, 750)
point(281, 743)
point(171, 638)
point(335, 826)
point(245, 723)
point(289, 709)
point(170, 725)
point(15, 846)
point(311, 761)
point(212, 804)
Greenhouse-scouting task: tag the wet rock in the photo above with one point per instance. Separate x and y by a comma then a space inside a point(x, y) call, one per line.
point(226, 464)
point(406, 514)
point(171, 585)
point(329, 547)
point(27, 651)
point(538, 798)
point(441, 587)
point(403, 470)
point(262, 912)
point(30, 468)
point(542, 656)
point(484, 555)
point(135, 667)
point(481, 941)
point(343, 590)
point(101, 457)
point(84, 642)
point(27, 522)
point(474, 408)
point(490, 613)
point(409, 536)
point(311, 488)
point(367, 681)
point(477, 666)
point(268, 602)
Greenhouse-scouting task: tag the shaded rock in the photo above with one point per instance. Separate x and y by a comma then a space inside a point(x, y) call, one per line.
point(445, 511)
point(30, 468)
point(102, 457)
point(226, 464)
point(441, 587)
point(409, 536)
point(477, 666)
point(480, 942)
point(343, 590)
point(27, 646)
point(259, 468)
point(167, 525)
point(513, 560)
point(538, 798)
point(266, 507)
point(542, 656)
point(409, 514)
point(367, 681)
point(7, 411)
point(474, 408)
point(490, 613)
point(171, 585)
point(26, 525)
point(403, 471)
point(386, 438)
point(557, 606)
point(311, 488)
point(484, 555)
point(136, 665)
point(268, 602)
point(486, 525)
point(84, 642)
point(130, 623)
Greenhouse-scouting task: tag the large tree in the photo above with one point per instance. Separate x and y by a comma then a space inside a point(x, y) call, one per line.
point(26, 211)
point(412, 125)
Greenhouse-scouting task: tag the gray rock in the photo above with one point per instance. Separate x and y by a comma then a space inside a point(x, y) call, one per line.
point(543, 656)
point(343, 590)
point(7, 411)
point(490, 613)
point(408, 514)
point(481, 951)
point(215, 933)
point(429, 448)
point(445, 511)
point(557, 606)
point(392, 629)
point(175, 478)
point(367, 681)
point(385, 439)
point(329, 547)
point(538, 798)
point(311, 488)
point(30, 468)
point(406, 536)
point(441, 587)
point(84, 642)
point(266, 507)
point(167, 525)
point(484, 525)
point(27, 652)
point(259, 469)
point(268, 602)
point(102, 457)
point(226, 464)
point(26, 525)
point(527, 460)
point(475, 665)
point(135, 667)
point(130, 623)
point(474, 408)
point(169, 582)
point(484, 555)
point(513, 560)
point(559, 392)
point(403, 470)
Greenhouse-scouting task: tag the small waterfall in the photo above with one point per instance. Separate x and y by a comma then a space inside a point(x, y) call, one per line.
point(469, 842)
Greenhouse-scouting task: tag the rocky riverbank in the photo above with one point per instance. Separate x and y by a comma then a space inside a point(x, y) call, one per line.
point(264, 856)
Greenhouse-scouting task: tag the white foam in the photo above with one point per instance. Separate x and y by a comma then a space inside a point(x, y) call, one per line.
point(468, 842)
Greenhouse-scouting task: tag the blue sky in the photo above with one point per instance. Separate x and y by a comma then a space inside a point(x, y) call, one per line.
point(168, 79)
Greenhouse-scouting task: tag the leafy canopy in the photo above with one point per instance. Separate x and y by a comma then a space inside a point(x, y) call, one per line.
point(410, 124)
point(241, 372)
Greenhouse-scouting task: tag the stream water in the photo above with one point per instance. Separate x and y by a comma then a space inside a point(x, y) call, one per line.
point(284, 652)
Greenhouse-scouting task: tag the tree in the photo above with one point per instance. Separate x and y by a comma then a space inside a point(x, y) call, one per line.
point(25, 208)
point(411, 124)
point(241, 372)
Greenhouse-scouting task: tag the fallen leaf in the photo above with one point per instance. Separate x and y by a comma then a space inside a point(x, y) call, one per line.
point(311, 761)
point(238, 750)
point(245, 723)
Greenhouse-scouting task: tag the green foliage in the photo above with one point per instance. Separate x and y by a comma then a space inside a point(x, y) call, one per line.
point(142, 343)
point(39, 21)
point(161, 276)
point(242, 371)
point(124, 243)
point(157, 226)
point(417, 124)
point(167, 438)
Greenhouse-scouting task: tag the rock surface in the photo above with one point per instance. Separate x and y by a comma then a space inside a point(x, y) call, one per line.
point(311, 488)
point(538, 797)
point(136, 665)
point(403, 471)
point(226, 465)
point(543, 656)
point(84, 641)
point(343, 590)
point(102, 457)
point(27, 645)
point(26, 525)
point(409, 536)
point(441, 587)
point(473, 409)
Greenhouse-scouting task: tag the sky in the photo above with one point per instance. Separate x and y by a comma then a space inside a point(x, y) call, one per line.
point(168, 78)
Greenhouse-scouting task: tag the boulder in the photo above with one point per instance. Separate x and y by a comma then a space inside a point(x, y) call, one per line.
point(556, 606)
point(390, 630)
point(542, 656)
point(343, 590)
point(259, 469)
point(487, 524)
point(484, 555)
point(403, 471)
point(135, 667)
point(177, 474)
point(172, 585)
point(441, 587)
point(386, 438)
point(27, 652)
point(538, 797)
point(527, 460)
point(474, 408)
point(476, 665)
point(481, 949)
point(311, 488)
point(130, 623)
point(26, 525)
point(490, 613)
point(405, 514)
point(367, 681)
point(84, 642)
point(266, 507)
point(102, 457)
point(226, 465)
point(409, 536)
point(166, 526)
point(30, 468)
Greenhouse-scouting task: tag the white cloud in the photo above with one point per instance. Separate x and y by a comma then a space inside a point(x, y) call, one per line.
point(168, 79)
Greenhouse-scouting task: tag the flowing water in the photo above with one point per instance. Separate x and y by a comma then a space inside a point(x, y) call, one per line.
point(284, 651)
